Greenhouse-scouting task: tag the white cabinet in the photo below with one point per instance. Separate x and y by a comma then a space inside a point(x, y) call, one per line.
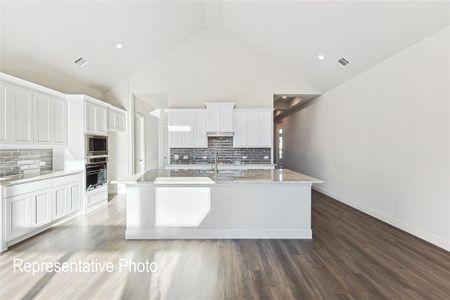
point(96, 196)
point(73, 197)
point(59, 121)
point(253, 128)
point(116, 119)
point(16, 114)
point(220, 117)
point(43, 115)
point(96, 118)
point(17, 216)
point(23, 116)
point(187, 128)
point(5, 117)
point(41, 208)
point(30, 206)
point(59, 208)
point(28, 116)
point(50, 119)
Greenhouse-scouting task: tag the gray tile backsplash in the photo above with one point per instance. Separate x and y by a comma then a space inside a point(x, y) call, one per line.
point(18, 161)
point(226, 153)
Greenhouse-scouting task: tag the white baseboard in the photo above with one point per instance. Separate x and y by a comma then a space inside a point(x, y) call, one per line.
point(217, 234)
point(414, 230)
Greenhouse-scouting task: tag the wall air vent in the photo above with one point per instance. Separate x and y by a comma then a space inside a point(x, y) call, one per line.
point(80, 61)
point(343, 61)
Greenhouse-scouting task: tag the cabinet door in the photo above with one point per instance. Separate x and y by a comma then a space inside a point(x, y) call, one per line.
point(213, 118)
point(101, 119)
point(188, 128)
point(175, 129)
point(227, 118)
point(265, 129)
point(74, 195)
point(201, 139)
point(120, 121)
point(112, 122)
point(41, 208)
point(6, 112)
point(240, 129)
point(17, 216)
point(23, 118)
point(90, 115)
point(252, 125)
point(59, 121)
point(59, 207)
point(43, 118)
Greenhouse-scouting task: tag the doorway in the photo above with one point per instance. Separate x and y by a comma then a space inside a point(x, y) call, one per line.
point(139, 143)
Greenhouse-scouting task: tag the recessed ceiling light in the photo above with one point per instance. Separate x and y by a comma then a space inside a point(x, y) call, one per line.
point(284, 97)
point(321, 56)
point(119, 46)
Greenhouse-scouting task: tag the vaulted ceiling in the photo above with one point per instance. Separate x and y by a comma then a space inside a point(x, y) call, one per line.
point(293, 33)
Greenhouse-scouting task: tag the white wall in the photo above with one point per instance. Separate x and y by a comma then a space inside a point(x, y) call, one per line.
point(381, 141)
point(214, 66)
point(151, 134)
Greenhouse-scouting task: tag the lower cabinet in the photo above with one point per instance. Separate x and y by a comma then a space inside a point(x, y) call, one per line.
point(17, 216)
point(41, 208)
point(33, 205)
point(59, 209)
point(96, 196)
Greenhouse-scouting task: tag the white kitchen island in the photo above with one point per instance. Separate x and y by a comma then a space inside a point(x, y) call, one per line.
point(200, 204)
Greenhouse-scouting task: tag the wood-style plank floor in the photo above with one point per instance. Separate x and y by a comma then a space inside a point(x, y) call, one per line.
point(352, 256)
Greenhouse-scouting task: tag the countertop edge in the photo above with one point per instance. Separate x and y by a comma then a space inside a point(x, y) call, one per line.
point(40, 178)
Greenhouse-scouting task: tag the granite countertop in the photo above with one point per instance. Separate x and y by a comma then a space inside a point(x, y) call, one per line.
point(223, 177)
point(26, 178)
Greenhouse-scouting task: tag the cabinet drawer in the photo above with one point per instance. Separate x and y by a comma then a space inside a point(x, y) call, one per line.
point(66, 180)
point(29, 187)
point(97, 197)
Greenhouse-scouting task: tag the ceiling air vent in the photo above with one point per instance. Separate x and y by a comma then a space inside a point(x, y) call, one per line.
point(80, 61)
point(343, 61)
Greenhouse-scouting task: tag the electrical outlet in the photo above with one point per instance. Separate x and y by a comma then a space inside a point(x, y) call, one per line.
point(244, 157)
point(176, 157)
point(186, 157)
point(266, 157)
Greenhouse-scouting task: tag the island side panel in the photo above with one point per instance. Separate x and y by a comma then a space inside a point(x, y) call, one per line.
point(238, 210)
point(254, 210)
point(140, 210)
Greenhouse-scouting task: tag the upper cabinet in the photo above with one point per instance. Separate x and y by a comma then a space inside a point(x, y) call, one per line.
point(220, 117)
point(30, 116)
point(96, 118)
point(187, 128)
point(253, 128)
point(116, 119)
point(50, 119)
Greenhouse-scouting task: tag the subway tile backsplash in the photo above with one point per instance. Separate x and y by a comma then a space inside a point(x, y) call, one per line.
point(16, 161)
point(226, 153)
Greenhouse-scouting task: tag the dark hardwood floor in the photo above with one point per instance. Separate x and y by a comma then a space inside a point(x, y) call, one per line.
point(351, 256)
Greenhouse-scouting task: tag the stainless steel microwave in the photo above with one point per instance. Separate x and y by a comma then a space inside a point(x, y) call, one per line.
point(96, 145)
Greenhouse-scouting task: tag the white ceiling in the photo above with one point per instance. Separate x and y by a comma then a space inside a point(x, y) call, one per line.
point(55, 33)
point(293, 33)
point(364, 32)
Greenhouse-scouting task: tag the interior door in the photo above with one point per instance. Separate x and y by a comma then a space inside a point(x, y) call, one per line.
point(139, 143)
